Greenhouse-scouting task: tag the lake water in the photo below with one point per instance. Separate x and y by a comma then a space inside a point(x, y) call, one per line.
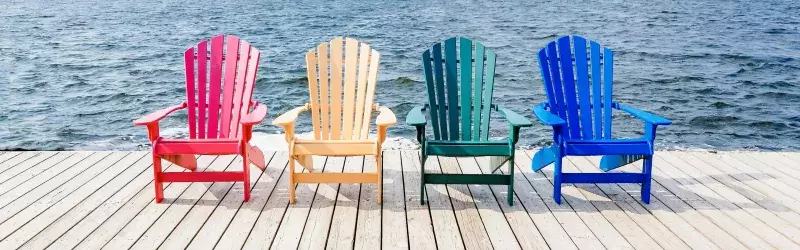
point(74, 74)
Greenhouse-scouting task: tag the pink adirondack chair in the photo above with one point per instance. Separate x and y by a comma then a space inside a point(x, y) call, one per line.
point(220, 117)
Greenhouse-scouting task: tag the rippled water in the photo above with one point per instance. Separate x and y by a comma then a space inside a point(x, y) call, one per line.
point(74, 74)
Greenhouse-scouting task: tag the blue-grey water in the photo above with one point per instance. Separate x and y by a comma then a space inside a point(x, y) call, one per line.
point(74, 74)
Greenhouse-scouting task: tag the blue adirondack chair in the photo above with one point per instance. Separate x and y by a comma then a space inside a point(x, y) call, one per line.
point(580, 113)
point(460, 106)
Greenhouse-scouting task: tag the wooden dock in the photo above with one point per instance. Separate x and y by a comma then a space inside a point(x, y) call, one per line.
point(93, 200)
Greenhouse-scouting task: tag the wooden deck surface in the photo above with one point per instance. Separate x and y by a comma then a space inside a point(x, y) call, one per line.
point(93, 200)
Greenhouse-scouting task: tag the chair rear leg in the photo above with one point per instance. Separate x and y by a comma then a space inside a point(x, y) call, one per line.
point(557, 180)
point(157, 179)
point(511, 181)
point(246, 176)
point(291, 180)
point(379, 161)
point(647, 171)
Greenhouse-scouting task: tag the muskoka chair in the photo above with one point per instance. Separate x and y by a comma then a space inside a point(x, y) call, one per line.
point(460, 106)
point(579, 110)
point(341, 124)
point(221, 114)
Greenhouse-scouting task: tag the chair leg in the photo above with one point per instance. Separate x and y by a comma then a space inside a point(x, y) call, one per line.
point(422, 181)
point(291, 180)
point(246, 175)
point(557, 180)
point(157, 179)
point(511, 181)
point(379, 161)
point(647, 171)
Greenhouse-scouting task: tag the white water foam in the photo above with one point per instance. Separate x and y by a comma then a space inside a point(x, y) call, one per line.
point(277, 142)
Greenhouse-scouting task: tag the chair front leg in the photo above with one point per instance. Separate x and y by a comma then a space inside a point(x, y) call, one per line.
point(511, 180)
point(245, 170)
point(422, 178)
point(647, 172)
point(557, 180)
point(379, 163)
point(291, 180)
point(157, 174)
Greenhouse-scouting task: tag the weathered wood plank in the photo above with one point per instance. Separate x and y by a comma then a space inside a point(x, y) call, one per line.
point(394, 230)
point(735, 213)
point(682, 207)
point(134, 176)
point(33, 156)
point(418, 216)
point(578, 231)
point(315, 233)
point(531, 203)
point(632, 232)
point(342, 232)
point(43, 185)
point(220, 218)
point(198, 194)
point(289, 233)
point(494, 219)
point(773, 165)
point(755, 207)
point(23, 172)
point(368, 224)
point(751, 169)
point(266, 225)
point(728, 200)
point(142, 204)
point(143, 222)
point(469, 221)
point(27, 169)
point(673, 233)
point(39, 216)
point(754, 189)
point(239, 228)
point(4, 156)
point(109, 208)
point(596, 220)
point(446, 228)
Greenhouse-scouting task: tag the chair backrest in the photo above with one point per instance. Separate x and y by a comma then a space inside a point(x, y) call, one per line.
point(220, 76)
point(342, 75)
point(584, 102)
point(460, 85)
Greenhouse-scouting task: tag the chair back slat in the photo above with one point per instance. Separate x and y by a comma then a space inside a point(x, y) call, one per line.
point(459, 89)
point(608, 79)
point(465, 55)
point(579, 93)
point(597, 100)
point(342, 88)
point(219, 86)
point(584, 96)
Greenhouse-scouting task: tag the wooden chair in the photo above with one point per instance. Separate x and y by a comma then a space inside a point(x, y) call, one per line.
point(219, 88)
point(342, 89)
point(460, 106)
point(579, 107)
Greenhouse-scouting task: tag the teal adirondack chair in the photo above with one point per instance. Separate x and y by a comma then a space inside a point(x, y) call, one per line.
point(579, 107)
point(460, 116)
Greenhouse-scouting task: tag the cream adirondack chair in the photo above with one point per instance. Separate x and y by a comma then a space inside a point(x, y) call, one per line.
point(341, 108)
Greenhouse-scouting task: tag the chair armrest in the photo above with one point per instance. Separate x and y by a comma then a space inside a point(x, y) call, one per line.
point(645, 116)
point(415, 117)
point(515, 119)
point(156, 116)
point(386, 116)
point(290, 116)
point(546, 117)
point(256, 116)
